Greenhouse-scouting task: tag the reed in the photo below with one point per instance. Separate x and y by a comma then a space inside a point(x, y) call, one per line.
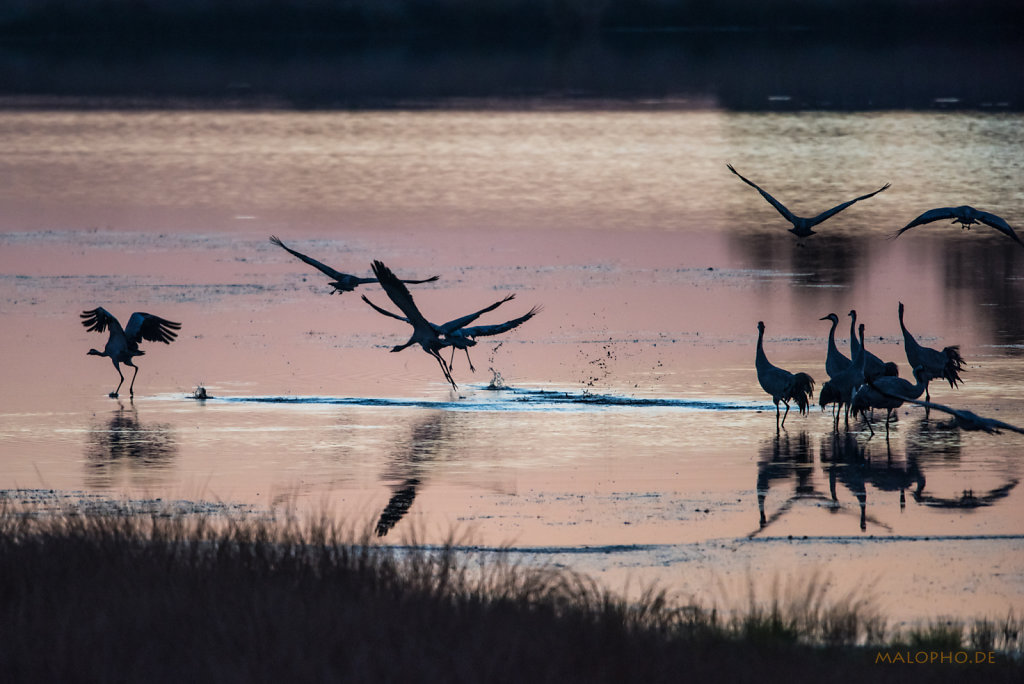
point(117, 596)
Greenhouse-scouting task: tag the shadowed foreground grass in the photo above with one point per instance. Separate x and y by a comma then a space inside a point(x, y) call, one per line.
point(97, 597)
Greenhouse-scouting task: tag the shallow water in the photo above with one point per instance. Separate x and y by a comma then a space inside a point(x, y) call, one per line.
point(630, 438)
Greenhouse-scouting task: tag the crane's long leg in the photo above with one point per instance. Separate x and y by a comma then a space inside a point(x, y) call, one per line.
point(444, 369)
point(131, 387)
point(118, 388)
point(471, 369)
point(776, 416)
point(785, 414)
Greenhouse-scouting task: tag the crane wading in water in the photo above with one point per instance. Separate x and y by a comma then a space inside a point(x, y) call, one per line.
point(946, 364)
point(801, 225)
point(123, 343)
point(343, 282)
point(780, 383)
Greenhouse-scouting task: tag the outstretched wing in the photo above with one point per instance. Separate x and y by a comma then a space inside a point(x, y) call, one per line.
point(399, 294)
point(144, 326)
point(485, 330)
point(385, 311)
point(323, 268)
point(786, 213)
point(99, 319)
point(838, 208)
point(452, 326)
point(968, 420)
point(927, 217)
point(418, 282)
point(1000, 224)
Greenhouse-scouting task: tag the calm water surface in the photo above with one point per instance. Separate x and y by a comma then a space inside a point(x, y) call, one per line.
point(631, 439)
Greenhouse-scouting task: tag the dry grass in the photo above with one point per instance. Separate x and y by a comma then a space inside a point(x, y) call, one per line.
point(121, 597)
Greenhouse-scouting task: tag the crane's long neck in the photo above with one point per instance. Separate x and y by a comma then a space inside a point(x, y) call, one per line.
point(860, 358)
point(908, 339)
point(761, 360)
point(854, 345)
point(832, 337)
point(918, 389)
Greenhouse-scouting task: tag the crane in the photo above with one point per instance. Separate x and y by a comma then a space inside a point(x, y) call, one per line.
point(801, 225)
point(835, 361)
point(780, 383)
point(964, 215)
point(839, 389)
point(423, 333)
point(946, 364)
point(967, 420)
point(886, 392)
point(874, 367)
point(123, 343)
point(464, 338)
point(343, 282)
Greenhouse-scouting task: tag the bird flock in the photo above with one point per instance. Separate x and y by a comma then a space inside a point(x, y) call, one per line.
point(123, 344)
point(857, 384)
point(864, 382)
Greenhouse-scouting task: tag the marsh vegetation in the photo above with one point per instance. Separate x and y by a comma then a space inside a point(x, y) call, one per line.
point(122, 597)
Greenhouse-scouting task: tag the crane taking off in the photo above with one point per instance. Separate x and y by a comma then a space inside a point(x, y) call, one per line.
point(123, 343)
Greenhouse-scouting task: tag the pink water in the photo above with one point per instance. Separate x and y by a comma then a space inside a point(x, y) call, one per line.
point(632, 439)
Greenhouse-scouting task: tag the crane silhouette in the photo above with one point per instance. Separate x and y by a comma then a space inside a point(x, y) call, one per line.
point(423, 333)
point(874, 367)
point(464, 338)
point(886, 392)
point(801, 225)
point(965, 420)
point(343, 282)
point(839, 388)
point(458, 336)
point(835, 361)
point(780, 383)
point(946, 364)
point(966, 216)
point(123, 343)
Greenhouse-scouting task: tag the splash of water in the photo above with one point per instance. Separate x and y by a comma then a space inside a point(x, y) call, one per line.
point(497, 382)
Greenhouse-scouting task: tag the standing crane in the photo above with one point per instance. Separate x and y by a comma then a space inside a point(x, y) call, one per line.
point(780, 383)
point(801, 225)
point(839, 388)
point(123, 343)
point(874, 367)
point(946, 364)
point(835, 361)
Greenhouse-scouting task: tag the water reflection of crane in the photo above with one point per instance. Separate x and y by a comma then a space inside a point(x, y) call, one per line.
point(783, 458)
point(126, 444)
point(848, 462)
point(428, 437)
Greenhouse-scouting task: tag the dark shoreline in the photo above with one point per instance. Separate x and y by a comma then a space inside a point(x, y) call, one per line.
point(736, 69)
point(93, 596)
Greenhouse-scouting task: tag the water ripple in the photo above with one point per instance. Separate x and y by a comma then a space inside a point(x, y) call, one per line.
point(510, 399)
